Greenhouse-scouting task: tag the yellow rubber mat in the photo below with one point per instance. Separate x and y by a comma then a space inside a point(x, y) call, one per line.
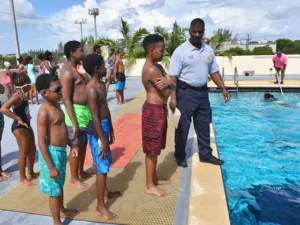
point(134, 207)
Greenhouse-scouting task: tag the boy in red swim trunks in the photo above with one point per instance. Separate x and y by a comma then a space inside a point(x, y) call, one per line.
point(154, 112)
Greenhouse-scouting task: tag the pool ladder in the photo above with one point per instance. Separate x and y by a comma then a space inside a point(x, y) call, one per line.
point(236, 79)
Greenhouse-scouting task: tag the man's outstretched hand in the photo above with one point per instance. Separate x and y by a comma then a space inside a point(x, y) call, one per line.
point(226, 95)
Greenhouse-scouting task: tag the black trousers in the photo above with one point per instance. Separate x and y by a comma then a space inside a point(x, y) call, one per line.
point(193, 104)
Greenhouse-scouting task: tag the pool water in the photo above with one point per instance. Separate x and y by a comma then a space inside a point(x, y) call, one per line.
point(260, 144)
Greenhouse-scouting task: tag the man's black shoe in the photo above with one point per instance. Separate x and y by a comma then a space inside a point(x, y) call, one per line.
point(181, 162)
point(212, 160)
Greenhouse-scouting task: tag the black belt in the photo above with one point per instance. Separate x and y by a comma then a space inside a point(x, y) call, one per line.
point(183, 85)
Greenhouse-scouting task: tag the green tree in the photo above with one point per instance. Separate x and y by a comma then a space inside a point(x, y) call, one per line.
point(235, 51)
point(84, 44)
point(110, 43)
point(131, 42)
point(284, 43)
point(265, 50)
point(173, 39)
point(220, 37)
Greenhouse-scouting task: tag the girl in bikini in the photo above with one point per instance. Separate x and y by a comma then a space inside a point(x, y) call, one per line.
point(21, 126)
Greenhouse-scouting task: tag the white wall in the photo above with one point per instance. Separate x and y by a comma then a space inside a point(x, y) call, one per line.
point(259, 64)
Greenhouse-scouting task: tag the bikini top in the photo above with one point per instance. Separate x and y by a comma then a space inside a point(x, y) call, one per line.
point(22, 110)
point(111, 59)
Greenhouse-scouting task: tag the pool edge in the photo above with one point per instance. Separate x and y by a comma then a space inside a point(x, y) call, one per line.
point(208, 202)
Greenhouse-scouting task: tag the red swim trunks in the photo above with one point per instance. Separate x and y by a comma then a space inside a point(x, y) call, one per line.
point(154, 128)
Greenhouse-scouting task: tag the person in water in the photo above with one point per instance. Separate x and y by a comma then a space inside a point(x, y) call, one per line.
point(270, 98)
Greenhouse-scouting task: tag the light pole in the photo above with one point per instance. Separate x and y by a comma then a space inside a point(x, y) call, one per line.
point(80, 22)
point(14, 24)
point(94, 12)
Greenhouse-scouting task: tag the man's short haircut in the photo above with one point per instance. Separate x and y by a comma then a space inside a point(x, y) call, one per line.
point(151, 40)
point(20, 59)
point(43, 82)
point(96, 47)
point(71, 46)
point(120, 50)
point(41, 56)
point(47, 54)
point(28, 58)
point(197, 22)
point(91, 61)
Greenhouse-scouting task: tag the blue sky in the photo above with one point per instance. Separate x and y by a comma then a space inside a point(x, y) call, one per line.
point(43, 24)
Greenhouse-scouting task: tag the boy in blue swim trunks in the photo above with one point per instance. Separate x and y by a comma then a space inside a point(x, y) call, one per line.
point(99, 130)
point(119, 76)
point(53, 140)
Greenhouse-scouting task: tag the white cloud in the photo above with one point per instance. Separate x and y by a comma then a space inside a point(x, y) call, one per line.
point(262, 19)
point(24, 7)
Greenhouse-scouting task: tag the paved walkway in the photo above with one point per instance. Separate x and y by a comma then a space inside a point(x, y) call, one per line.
point(10, 155)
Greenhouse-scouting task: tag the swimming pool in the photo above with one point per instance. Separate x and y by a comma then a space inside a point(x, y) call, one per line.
point(260, 143)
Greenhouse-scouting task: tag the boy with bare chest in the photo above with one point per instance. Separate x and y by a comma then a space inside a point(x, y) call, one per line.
point(99, 131)
point(74, 81)
point(53, 140)
point(154, 112)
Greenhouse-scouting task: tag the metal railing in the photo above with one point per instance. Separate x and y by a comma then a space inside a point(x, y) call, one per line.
point(236, 79)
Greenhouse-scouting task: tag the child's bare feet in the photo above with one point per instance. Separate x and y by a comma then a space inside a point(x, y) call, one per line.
point(112, 194)
point(33, 175)
point(69, 212)
point(154, 190)
point(162, 182)
point(5, 175)
point(124, 102)
point(79, 185)
point(27, 183)
point(119, 103)
point(85, 175)
point(105, 213)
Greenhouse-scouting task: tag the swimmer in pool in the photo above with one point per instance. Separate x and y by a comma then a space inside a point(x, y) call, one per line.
point(270, 98)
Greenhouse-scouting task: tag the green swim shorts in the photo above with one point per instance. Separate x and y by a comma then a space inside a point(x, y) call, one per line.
point(49, 186)
point(82, 114)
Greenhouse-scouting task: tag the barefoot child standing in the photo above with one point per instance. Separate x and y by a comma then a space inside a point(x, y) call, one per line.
point(21, 126)
point(154, 112)
point(99, 131)
point(53, 140)
point(75, 109)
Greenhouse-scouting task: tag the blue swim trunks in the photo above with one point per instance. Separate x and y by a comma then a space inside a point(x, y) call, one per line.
point(111, 68)
point(120, 86)
point(101, 164)
point(48, 185)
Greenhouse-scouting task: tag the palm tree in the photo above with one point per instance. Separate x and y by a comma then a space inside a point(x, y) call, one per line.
point(131, 42)
point(173, 39)
point(84, 42)
point(220, 37)
point(110, 43)
point(90, 43)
